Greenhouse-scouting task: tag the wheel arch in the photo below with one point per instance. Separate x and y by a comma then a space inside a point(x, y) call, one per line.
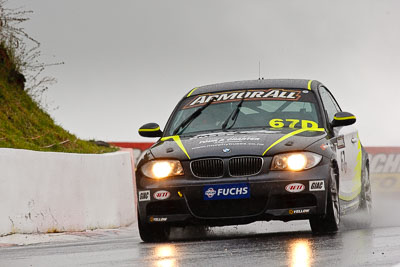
point(365, 164)
point(335, 166)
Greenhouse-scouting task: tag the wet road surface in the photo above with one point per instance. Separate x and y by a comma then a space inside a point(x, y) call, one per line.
point(258, 244)
point(223, 247)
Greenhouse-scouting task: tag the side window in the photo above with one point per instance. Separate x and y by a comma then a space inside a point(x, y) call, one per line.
point(329, 103)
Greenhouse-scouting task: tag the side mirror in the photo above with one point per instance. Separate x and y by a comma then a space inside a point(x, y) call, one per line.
point(150, 130)
point(343, 119)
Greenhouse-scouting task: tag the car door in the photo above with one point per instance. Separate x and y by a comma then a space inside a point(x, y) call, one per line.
point(348, 150)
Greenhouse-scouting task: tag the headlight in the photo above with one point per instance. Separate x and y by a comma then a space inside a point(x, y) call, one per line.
point(296, 161)
point(158, 169)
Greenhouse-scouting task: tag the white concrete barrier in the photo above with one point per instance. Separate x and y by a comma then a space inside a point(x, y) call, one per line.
point(51, 192)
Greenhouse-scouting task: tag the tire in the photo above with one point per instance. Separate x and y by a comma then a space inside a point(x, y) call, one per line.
point(157, 232)
point(330, 222)
point(365, 208)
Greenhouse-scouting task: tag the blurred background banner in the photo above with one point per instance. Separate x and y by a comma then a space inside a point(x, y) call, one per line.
point(384, 168)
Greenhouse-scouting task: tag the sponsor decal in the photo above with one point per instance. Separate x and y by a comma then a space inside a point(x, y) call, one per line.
point(324, 146)
point(261, 94)
point(260, 131)
point(228, 141)
point(299, 211)
point(144, 195)
point(340, 142)
point(295, 187)
point(211, 135)
point(158, 219)
point(229, 144)
point(210, 192)
point(226, 191)
point(317, 185)
point(161, 195)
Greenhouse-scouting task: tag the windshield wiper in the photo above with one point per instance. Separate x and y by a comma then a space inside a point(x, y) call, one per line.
point(234, 114)
point(184, 124)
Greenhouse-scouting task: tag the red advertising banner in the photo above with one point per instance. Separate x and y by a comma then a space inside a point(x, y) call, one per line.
point(137, 147)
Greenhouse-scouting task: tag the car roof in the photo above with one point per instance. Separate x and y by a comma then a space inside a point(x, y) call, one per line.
point(256, 84)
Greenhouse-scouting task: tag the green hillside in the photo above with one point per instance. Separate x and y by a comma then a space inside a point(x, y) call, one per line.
point(24, 125)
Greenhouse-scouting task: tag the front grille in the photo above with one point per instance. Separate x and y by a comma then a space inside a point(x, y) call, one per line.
point(239, 166)
point(243, 166)
point(207, 168)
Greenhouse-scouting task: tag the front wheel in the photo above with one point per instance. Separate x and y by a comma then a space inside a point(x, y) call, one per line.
point(156, 232)
point(330, 222)
point(365, 207)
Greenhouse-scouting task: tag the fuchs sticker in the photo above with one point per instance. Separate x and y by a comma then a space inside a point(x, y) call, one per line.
point(226, 191)
point(295, 188)
point(210, 192)
point(317, 185)
point(161, 195)
point(144, 195)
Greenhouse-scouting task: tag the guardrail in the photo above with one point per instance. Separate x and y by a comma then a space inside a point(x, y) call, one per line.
point(54, 192)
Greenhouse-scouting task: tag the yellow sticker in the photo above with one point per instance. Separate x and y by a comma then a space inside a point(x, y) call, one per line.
point(308, 124)
point(292, 134)
point(178, 141)
point(279, 123)
point(293, 122)
point(276, 123)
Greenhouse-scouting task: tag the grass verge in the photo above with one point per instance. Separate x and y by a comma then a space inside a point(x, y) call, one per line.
point(24, 125)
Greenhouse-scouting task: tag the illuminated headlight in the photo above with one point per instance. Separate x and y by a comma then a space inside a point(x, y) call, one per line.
point(296, 161)
point(158, 169)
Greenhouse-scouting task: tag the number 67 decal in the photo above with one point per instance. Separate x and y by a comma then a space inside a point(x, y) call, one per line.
point(279, 123)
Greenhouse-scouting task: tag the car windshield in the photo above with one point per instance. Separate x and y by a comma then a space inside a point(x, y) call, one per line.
point(260, 108)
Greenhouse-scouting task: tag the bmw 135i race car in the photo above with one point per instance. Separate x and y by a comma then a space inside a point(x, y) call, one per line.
point(238, 152)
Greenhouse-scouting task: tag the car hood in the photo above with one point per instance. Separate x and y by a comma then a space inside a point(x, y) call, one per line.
point(229, 144)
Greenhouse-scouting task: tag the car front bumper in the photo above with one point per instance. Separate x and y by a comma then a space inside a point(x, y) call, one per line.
point(268, 199)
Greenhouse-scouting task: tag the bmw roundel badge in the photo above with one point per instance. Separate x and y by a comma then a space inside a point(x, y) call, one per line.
point(226, 150)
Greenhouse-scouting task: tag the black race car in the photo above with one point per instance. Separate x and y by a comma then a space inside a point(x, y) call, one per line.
point(238, 152)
